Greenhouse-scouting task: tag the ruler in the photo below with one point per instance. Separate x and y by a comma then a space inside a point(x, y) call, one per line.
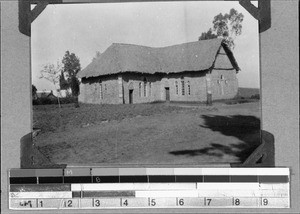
point(123, 188)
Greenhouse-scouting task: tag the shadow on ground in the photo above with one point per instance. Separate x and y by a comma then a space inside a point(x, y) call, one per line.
point(245, 128)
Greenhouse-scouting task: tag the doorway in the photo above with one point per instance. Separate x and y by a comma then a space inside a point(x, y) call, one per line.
point(167, 93)
point(130, 96)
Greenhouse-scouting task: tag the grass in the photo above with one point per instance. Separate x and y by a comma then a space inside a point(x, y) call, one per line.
point(164, 133)
point(49, 118)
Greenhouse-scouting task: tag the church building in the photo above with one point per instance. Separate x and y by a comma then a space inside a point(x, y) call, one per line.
point(189, 72)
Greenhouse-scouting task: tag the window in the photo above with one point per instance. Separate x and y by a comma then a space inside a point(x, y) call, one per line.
point(182, 86)
point(222, 77)
point(145, 87)
point(140, 89)
point(105, 88)
point(189, 88)
point(176, 87)
point(149, 88)
point(101, 91)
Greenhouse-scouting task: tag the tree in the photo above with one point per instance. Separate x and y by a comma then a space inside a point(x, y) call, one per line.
point(34, 90)
point(71, 66)
point(62, 82)
point(51, 73)
point(227, 26)
point(74, 83)
point(207, 35)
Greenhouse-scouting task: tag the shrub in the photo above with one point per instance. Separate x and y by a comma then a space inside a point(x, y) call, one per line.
point(49, 101)
point(255, 96)
point(46, 101)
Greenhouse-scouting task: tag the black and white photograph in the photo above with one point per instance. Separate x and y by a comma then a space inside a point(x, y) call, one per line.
point(146, 82)
point(141, 106)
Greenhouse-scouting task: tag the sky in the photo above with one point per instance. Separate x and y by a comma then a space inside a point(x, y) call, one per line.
point(84, 29)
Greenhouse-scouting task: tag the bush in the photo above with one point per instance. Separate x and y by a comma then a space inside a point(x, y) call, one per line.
point(238, 101)
point(50, 101)
point(44, 101)
point(255, 96)
point(238, 97)
point(67, 100)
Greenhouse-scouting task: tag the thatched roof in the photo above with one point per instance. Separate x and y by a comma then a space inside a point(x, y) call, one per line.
point(192, 56)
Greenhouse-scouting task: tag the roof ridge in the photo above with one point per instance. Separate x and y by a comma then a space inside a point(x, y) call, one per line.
point(194, 42)
point(184, 43)
point(128, 44)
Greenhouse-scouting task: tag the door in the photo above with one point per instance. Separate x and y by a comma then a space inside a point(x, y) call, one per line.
point(130, 96)
point(167, 94)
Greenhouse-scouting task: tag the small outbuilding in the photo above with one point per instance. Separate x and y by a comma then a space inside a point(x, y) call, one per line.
point(193, 71)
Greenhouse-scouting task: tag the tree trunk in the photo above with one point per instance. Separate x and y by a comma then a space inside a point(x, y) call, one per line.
point(76, 103)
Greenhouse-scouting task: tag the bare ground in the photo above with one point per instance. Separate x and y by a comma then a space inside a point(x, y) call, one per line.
point(159, 133)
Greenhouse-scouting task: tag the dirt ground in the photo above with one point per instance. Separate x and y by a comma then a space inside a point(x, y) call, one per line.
point(161, 133)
